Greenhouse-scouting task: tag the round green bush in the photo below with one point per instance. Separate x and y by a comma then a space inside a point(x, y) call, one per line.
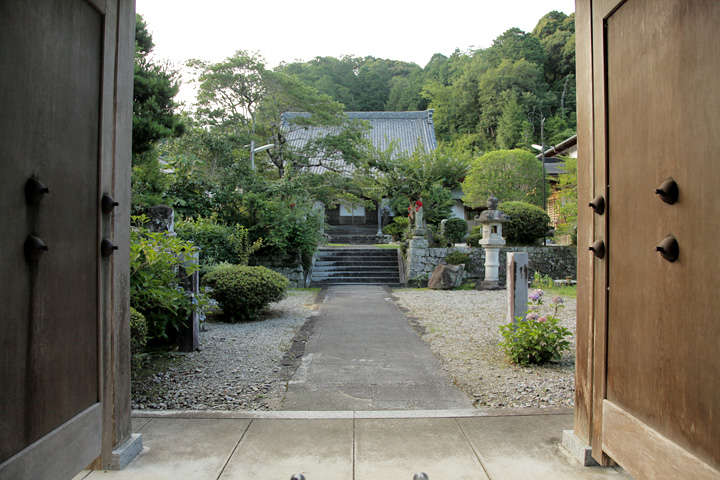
point(474, 237)
point(138, 332)
point(244, 292)
point(455, 229)
point(527, 223)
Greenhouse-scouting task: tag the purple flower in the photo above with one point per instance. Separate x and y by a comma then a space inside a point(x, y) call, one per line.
point(534, 296)
point(539, 292)
point(531, 316)
point(557, 300)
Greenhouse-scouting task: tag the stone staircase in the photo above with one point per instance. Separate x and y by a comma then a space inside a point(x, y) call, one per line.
point(336, 266)
point(353, 234)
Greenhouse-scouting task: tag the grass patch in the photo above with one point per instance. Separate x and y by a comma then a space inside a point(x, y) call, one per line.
point(337, 245)
point(569, 291)
point(303, 290)
point(387, 246)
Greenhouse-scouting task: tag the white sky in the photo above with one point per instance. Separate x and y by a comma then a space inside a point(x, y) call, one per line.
point(289, 30)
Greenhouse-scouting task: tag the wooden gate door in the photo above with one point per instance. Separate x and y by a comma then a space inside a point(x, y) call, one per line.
point(50, 99)
point(659, 61)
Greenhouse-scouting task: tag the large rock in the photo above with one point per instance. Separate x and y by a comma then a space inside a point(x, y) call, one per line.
point(445, 277)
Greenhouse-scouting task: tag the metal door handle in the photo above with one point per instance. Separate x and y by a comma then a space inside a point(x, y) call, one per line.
point(669, 248)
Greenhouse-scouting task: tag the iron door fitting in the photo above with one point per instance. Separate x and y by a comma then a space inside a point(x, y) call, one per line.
point(668, 191)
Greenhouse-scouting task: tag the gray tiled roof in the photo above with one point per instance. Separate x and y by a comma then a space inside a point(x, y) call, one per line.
point(406, 129)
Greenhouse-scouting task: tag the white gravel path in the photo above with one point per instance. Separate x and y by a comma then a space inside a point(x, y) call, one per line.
point(239, 366)
point(462, 328)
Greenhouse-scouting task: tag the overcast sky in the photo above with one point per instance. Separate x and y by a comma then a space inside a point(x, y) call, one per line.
point(289, 30)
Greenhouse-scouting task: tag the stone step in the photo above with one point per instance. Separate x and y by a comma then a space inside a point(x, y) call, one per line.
point(356, 266)
point(368, 274)
point(357, 251)
point(358, 280)
point(356, 269)
point(353, 263)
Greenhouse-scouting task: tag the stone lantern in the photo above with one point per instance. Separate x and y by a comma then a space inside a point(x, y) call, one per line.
point(492, 220)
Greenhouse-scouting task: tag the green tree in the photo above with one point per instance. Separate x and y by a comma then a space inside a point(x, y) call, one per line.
point(512, 127)
point(428, 177)
point(230, 91)
point(154, 87)
point(509, 175)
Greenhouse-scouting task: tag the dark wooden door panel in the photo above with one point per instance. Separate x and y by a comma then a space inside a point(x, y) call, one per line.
point(50, 81)
point(663, 119)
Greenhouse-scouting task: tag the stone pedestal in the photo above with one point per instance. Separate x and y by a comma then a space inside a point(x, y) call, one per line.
point(416, 256)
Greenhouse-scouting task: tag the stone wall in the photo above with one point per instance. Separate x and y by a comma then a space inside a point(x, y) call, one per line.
point(555, 261)
point(288, 266)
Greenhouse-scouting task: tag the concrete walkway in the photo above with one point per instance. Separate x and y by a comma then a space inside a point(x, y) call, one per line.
point(373, 404)
point(364, 355)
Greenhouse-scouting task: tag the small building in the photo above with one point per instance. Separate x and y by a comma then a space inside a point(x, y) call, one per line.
point(407, 131)
point(554, 167)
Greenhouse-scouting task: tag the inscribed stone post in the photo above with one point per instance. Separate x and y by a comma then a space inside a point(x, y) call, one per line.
point(189, 334)
point(517, 285)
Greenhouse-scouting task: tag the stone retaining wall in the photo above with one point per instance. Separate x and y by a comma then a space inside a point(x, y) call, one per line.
point(288, 266)
point(555, 261)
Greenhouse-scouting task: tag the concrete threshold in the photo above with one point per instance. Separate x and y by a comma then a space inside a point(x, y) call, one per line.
point(347, 414)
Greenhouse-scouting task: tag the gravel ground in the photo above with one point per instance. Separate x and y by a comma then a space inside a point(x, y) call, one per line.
point(240, 367)
point(461, 327)
point(237, 368)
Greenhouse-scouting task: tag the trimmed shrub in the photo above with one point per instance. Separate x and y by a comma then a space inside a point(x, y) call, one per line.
point(138, 332)
point(476, 234)
point(455, 230)
point(244, 292)
point(527, 223)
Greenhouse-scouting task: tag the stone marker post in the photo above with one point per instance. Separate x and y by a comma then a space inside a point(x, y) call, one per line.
point(189, 334)
point(517, 285)
point(162, 219)
point(418, 243)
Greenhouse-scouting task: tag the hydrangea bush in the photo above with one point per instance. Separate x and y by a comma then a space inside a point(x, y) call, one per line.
point(536, 338)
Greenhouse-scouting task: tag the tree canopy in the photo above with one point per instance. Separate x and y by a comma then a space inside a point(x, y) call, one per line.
point(482, 98)
point(509, 175)
point(154, 86)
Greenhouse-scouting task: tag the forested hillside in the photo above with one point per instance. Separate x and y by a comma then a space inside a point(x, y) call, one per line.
point(483, 99)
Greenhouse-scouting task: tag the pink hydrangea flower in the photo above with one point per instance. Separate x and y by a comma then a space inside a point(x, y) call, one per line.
point(536, 295)
point(531, 316)
point(557, 300)
point(542, 319)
